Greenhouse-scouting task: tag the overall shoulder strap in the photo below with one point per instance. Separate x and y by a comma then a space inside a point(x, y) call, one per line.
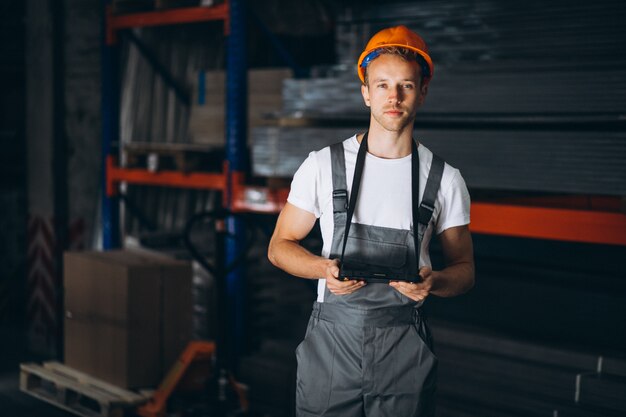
point(340, 197)
point(427, 206)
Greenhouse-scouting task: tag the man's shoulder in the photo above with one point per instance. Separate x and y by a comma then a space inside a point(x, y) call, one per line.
point(450, 175)
point(322, 156)
point(347, 143)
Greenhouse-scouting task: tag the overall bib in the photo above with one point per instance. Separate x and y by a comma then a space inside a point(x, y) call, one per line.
point(362, 357)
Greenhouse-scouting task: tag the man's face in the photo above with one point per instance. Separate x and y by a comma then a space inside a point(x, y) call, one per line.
point(394, 92)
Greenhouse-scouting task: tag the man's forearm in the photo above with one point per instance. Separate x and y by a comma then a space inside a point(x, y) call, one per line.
point(296, 260)
point(453, 280)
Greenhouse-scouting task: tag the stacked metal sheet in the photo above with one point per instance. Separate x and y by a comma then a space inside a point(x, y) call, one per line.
point(516, 103)
point(582, 35)
point(483, 374)
point(330, 97)
point(149, 109)
point(471, 91)
point(278, 152)
point(552, 161)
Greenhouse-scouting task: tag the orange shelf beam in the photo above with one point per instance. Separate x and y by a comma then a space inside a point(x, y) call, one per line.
point(488, 218)
point(197, 180)
point(574, 225)
point(166, 17)
point(549, 223)
point(568, 202)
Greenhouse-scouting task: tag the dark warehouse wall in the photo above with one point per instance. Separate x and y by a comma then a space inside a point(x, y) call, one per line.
point(12, 171)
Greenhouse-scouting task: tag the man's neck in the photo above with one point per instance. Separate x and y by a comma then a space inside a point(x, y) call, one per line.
point(388, 144)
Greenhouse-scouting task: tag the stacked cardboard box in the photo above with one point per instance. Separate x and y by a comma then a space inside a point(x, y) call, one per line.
point(208, 113)
point(127, 315)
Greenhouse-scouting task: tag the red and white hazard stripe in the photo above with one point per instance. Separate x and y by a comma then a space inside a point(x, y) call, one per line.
point(41, 307)
point(43, 283)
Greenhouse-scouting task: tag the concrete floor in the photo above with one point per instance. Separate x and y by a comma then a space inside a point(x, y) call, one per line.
point(13, 402)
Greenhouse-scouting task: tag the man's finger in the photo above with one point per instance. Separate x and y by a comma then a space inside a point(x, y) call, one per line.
point(346, 287)
point(354, 284)
point(408, 286)
point(413, 291)
point(404, 285)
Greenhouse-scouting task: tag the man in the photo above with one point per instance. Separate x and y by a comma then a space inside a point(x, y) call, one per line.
point(368, 350)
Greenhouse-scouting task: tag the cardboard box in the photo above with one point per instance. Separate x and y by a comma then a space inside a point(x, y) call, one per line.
point(128, 315)
point(207, 120)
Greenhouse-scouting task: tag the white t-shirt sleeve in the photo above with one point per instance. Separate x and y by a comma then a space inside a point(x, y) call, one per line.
point(455, 207)
point(303, 193)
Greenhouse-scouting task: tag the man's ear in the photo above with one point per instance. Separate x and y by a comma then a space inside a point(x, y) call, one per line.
point(365, 92)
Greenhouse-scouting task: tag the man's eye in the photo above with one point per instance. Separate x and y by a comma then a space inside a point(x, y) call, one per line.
point(382, 86)
point(408, 86)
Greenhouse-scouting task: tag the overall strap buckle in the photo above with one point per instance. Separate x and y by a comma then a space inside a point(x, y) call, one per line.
point(425, 213)
point(340, 201)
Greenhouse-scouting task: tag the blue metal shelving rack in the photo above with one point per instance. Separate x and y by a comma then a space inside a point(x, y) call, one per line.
point(233, 12)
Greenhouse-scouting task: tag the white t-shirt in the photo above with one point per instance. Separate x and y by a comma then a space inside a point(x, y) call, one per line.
point(384, 196)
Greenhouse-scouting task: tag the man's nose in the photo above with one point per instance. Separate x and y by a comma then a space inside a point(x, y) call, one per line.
point(395, 94)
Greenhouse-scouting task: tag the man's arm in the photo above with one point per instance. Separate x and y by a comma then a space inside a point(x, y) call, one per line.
point(458, 275)
point(285, 251)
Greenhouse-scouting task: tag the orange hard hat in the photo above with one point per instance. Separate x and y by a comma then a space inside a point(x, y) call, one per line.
point(399, 36)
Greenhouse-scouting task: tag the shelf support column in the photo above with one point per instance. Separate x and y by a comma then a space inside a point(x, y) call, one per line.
point(110, 131)
point(237, 157)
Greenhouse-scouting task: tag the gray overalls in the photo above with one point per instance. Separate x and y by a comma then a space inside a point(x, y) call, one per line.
point(359, 359)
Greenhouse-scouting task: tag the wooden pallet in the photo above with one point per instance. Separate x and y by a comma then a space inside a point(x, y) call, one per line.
point(76, 392)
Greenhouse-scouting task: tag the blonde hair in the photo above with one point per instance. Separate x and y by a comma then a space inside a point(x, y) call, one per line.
point(407, 55)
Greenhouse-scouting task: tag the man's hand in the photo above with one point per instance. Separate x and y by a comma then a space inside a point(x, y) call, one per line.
point(416, 291)
point(458, 275)
point(286, 253)
point(337, 286)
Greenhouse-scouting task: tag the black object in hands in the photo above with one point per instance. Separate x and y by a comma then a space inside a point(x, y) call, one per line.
point(374, 274)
